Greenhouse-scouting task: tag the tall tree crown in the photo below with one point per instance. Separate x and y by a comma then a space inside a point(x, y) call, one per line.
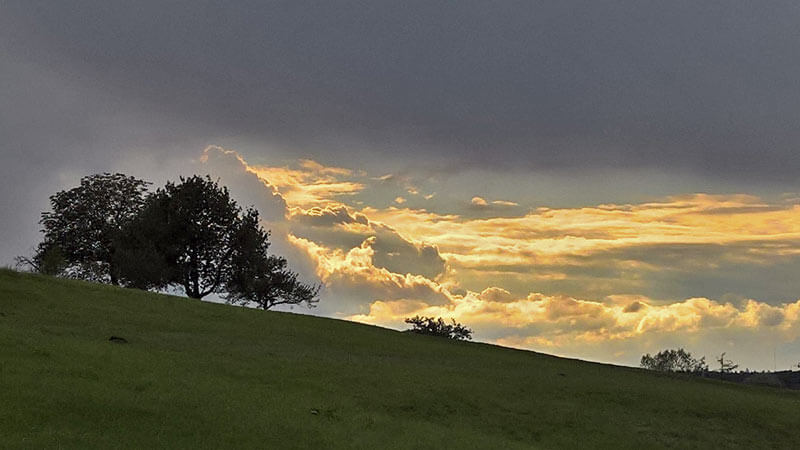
point(84, 223)
point(190, 226)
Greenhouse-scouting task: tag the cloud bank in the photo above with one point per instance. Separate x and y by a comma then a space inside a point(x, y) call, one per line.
point(381, 265)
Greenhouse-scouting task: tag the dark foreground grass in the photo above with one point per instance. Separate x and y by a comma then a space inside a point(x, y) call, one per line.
point(200, 375)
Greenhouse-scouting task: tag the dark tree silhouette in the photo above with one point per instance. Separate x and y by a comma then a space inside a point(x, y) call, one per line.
point(438, 327)
point(256, 277)
point(185, 230)
point(192, 234)
point(82, 229)
point(674, 361)
point(145, 257)
point(726, 365)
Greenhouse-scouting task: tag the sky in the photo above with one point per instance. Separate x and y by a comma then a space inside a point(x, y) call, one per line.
point(591, 179)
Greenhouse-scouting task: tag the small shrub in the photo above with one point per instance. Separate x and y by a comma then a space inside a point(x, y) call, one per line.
point(438, 327)
point(674, 361)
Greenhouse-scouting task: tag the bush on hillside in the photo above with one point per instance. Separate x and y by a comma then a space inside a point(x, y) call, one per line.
point(674, 361)
point(438, 327)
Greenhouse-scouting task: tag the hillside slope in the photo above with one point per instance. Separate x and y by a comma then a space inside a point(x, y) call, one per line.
point(197, 374)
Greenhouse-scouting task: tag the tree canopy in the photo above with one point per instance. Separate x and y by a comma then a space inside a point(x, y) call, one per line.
point(190, 234)
point(189, 228)
point(81, 232)
point(260, 278)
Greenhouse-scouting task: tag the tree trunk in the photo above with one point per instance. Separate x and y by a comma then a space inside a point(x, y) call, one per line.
point(194, 275)
point(112, 272)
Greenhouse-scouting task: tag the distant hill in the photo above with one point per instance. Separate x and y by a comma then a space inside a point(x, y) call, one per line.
point(783, 379)
point(181, 373)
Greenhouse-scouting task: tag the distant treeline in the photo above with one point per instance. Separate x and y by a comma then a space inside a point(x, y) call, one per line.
point(681, 361)
point(190, 235)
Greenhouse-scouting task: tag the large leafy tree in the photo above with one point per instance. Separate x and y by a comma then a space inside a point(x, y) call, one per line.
point(193, 235)
point(183, 237)
point(81, 231)
point(258, 278)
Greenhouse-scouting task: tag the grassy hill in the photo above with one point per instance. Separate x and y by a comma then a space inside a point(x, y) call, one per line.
point(197, 374)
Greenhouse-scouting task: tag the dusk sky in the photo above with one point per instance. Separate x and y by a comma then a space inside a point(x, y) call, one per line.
point(588, 179)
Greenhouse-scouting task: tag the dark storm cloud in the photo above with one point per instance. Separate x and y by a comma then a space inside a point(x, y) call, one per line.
point(703, 87)
point(54, 128)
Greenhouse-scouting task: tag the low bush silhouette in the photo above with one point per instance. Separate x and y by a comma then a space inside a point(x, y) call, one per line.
point(678, 360)
point(438, 327)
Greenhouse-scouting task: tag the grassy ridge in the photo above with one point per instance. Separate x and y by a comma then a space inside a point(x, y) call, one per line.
point(205, 375)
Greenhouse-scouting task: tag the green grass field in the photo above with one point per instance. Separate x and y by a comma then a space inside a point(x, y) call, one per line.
point(202, 375)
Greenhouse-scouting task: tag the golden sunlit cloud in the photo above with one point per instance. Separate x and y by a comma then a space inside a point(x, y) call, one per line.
point(565, 325)
point(548, 234)
point(543, 245)
point(556, 318)
point(478, 201)
point(311, 184)
point(504, 203)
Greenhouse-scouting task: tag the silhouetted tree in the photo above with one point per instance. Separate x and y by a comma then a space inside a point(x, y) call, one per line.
point(438, 327)
point(674, 361)
point(256, 277)
point(145, 258)
point(81, 231)
point(726, 365)
point(185, 232)
point(192, 234)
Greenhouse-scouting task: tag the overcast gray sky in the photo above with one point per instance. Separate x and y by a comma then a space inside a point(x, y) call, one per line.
point(703, 89)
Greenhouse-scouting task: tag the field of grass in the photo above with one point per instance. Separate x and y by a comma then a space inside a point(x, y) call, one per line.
point(202, 375)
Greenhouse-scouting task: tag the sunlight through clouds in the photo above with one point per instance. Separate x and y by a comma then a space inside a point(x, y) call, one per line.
point(562, 280)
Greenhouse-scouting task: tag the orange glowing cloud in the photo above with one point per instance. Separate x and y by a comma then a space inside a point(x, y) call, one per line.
point(547, 234)
point(565, 319)
point(536, 318)
point(310, 184)
point(374, 284)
